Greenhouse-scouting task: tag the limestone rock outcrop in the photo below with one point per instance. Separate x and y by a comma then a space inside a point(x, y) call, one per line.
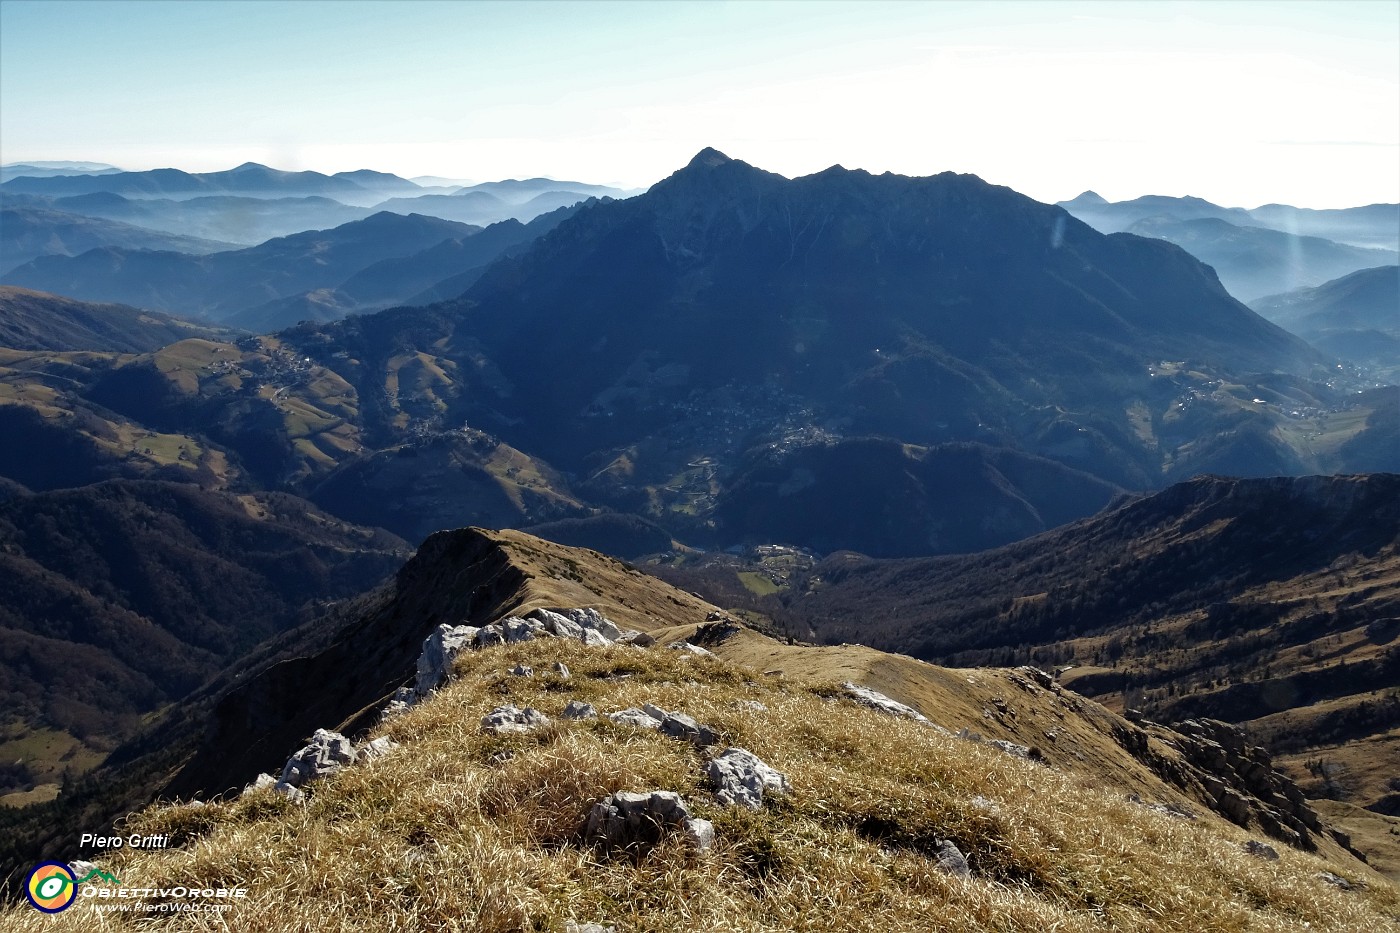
point(636, 821)
point(1244, 784)
point(441, 648)
point(881, 703)
point(741, 778)
point(507, 719)
point(325, 754)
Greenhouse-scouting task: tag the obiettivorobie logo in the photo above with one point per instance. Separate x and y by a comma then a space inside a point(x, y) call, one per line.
point(55, 886)
point(52, 886)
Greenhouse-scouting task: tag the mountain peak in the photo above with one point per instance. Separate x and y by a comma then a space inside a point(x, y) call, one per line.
point(709, 158)
point(251, 167)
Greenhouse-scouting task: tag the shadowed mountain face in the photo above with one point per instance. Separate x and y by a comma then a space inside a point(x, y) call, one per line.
point(124, 596)
point(892, 302)
point(1183, 549)
point(449, 481)
point(886, 499)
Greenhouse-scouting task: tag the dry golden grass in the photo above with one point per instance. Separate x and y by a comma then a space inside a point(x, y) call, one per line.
point(460, 831)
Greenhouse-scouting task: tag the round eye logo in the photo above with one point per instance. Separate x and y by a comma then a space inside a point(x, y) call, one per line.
point(51, 887)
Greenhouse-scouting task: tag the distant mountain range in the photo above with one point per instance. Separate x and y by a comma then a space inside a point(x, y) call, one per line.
point(1272, 249)
point(438, 273)
point(1253, 262)
point(483, 203)
point(221, 285)
point(321, 275)
point(49, 169)
point(1374, 226)
point(29, 233)
point(249, 179)
point(241, 221)
point(476, 206)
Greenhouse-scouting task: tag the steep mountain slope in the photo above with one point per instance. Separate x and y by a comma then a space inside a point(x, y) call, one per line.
point(123, 596)
point(40, 321)
point(888, 499)
point(28, 233)
point(220, 285)
point(1356, 317)
point(453, 816)
point(1270, 603)
point(447, 480)
point(1253, 262)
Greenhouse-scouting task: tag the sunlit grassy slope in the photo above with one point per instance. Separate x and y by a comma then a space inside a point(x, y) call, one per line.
point(455, 830)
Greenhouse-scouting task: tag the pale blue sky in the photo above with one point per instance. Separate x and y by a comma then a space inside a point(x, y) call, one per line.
point(1242, 103)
